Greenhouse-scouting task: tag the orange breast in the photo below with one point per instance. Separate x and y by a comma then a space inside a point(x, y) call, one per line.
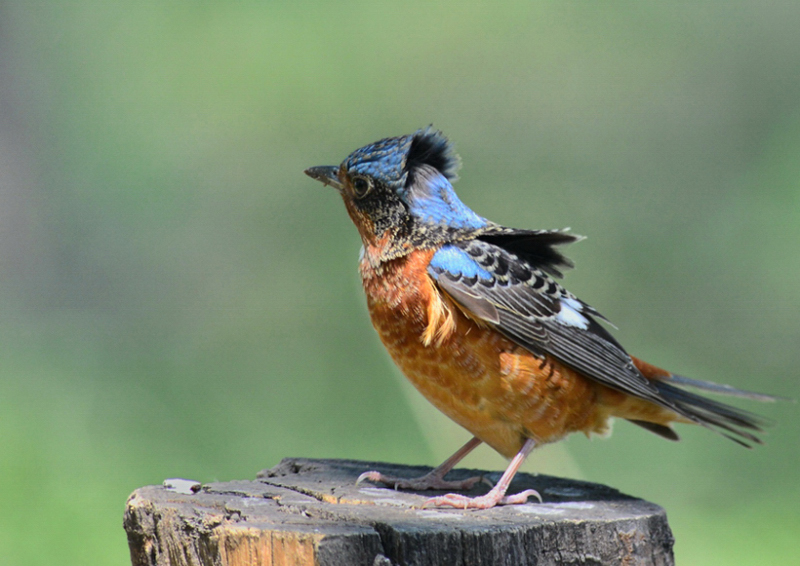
point(497, 390)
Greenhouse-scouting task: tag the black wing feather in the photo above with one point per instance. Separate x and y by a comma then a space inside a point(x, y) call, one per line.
point(536, 247)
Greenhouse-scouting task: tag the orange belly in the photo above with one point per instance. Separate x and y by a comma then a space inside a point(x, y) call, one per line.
point(500, 392)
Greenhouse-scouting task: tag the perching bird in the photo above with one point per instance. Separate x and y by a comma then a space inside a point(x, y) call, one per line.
point(471, 312)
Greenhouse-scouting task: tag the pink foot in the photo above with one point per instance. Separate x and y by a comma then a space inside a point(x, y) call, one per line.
point(431, 480)
point(495, 497)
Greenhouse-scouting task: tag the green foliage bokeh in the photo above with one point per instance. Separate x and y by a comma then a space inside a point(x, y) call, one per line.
point(179, 300)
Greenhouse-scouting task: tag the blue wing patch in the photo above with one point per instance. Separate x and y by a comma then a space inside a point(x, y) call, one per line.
point(452, 260)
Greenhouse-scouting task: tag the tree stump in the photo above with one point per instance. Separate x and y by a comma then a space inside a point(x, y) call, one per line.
point(310, 512)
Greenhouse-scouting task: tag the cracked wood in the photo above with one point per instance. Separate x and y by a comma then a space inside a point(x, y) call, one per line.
point(309, 512)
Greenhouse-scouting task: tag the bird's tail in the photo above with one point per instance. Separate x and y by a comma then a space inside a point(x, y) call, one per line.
point(721, 389)
point(736, 424)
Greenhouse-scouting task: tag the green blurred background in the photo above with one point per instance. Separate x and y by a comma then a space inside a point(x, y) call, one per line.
point(178, 299)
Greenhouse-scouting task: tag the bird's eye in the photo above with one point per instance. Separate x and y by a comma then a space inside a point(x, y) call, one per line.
point(361, 186)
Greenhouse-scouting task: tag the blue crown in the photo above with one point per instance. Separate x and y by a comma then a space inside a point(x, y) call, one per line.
point(394, 160)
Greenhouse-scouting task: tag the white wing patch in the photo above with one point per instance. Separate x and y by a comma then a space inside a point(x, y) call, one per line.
point(570, 313)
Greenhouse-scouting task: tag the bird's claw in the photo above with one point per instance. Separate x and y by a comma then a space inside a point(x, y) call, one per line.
point(521, 497)
point(487, 501)
point(369, 476)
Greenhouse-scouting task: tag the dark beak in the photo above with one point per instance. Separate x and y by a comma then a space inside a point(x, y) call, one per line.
point(326, 174)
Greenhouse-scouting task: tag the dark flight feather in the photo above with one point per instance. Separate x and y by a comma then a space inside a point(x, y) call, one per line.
point(536, 247)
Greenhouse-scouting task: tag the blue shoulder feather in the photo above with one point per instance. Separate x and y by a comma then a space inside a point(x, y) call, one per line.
point(452, 260)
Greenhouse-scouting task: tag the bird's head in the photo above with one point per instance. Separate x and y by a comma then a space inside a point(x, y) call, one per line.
point(397, 190)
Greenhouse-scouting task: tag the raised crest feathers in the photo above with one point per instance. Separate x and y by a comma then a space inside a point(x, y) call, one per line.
point(431, 147)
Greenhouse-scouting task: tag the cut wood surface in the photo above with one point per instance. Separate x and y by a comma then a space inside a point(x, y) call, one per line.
point(310, 512)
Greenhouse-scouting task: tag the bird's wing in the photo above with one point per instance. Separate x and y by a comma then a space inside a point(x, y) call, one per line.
point(529, 307)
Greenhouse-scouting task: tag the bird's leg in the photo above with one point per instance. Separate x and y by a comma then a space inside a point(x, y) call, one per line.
point(433, 479)
point(497, 496)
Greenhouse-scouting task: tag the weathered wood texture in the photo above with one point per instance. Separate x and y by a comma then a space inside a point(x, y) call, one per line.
point(309, 512)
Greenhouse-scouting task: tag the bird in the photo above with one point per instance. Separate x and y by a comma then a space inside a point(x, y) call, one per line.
point(473, 313)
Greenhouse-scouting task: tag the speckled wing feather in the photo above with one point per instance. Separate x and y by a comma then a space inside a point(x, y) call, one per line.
point(528, 306)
